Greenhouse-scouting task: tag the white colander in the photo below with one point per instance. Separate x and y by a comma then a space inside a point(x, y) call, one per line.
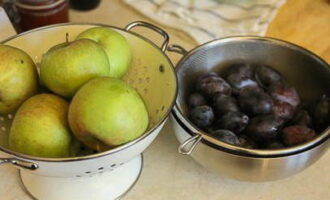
point(151, 73)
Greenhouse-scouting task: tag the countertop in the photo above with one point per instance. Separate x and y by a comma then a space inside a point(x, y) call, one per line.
point(169, 175)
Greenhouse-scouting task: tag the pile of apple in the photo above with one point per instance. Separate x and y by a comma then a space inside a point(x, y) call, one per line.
point(78, 99)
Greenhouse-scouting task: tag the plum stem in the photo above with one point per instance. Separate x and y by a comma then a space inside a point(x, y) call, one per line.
point(67, 37)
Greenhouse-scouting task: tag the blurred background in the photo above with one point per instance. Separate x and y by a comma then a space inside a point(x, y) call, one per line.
point(304, 22)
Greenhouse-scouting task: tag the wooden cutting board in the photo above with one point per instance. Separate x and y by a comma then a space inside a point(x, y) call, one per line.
point(306, 23)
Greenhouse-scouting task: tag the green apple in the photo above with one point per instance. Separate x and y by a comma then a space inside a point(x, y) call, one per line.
point(107, 112)
point(116, 47)
point(67, 66)
point(18, 78)
point(40, 127)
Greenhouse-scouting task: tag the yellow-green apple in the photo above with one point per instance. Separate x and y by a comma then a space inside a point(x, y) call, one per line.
point(40, 127)
point(67, 66)
point(107, 112)
point(116, 47)
point(18, 78)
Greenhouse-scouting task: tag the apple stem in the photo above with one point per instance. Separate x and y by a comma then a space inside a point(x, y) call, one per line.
point(66, 37)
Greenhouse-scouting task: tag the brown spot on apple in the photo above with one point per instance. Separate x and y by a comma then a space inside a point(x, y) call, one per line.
point(162, 68)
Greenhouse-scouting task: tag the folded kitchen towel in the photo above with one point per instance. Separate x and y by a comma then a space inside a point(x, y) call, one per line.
point(206, 20)
point(6, 28)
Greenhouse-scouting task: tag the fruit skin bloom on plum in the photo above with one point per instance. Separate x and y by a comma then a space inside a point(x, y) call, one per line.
point(264, 128)
point(254, 101)
point(294, 135)
point(266, 76)
point(223, 103)
point(210, 84)
point(284, 93)
point(226, 136)
point(240, 76)
point(283, 110)
point(202, 116)
point(233, 121)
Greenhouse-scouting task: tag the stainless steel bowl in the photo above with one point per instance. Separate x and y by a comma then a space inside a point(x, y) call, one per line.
point(308, 73)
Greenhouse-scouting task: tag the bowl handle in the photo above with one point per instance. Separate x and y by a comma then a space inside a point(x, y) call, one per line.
point(151, 27)
point(188, 150)
point(19, 163)
point(177, 49)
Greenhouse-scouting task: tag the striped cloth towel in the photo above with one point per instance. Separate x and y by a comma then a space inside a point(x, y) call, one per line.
point(6, 28)
point(206, 20)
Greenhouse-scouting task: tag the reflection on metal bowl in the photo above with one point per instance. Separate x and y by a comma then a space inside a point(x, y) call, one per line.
point(309, 74)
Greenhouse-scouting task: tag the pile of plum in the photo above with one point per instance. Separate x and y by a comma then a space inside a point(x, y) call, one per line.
point(255, 107)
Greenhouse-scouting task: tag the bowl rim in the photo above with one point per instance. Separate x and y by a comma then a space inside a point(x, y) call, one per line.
point(121, 147)
point(207, 139)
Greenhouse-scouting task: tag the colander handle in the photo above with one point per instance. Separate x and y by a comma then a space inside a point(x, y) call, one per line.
point(177, 49)
point(151, 27)
point(193, 141)
point(19, 163)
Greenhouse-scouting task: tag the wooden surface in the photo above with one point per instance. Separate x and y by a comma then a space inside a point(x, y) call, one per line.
point(306, 23)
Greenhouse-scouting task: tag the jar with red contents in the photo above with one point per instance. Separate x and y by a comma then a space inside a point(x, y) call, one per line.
point(37, 13)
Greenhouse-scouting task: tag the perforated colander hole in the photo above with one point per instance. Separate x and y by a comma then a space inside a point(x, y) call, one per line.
point(145, 90)
point(140, 80)
point(157, 111)
point(10, 116)
point(100, 169)
point(163, 108)
point(78, 176)
point(113, 165)
point(148, 79)
point(121, 163)
point(88, 172)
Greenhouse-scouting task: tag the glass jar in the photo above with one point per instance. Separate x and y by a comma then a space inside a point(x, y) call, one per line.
point(84, 4)
point(37, 13)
